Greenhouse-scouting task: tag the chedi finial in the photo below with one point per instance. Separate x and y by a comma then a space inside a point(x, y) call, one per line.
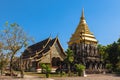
point(82, 16)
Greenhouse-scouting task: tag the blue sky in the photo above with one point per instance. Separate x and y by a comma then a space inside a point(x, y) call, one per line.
point(40, 18)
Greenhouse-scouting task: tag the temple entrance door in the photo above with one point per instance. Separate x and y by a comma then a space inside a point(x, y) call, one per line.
point(55, 61)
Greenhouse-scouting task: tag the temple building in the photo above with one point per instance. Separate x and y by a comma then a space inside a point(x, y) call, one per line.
point(84, 45)
point(48, 51)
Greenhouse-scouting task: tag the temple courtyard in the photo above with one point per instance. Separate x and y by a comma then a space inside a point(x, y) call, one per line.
point(89, 77)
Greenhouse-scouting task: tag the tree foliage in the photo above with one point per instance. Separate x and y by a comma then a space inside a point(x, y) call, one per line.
point(80, 68)
point(3, 59)
point(14, 40)
point(69, 59)
point(102, 52)
point(3, 62)
point(70, 56)
point(111, 55)
point(47, 69)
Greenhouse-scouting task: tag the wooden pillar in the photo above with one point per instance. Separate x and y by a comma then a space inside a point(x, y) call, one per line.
point(38, 65)
point(50, 56)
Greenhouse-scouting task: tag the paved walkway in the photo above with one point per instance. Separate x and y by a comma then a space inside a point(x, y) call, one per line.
point(92, 77)
point(89, 77)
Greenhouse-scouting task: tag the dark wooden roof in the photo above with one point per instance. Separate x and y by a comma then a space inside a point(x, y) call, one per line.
point(40, 48)
point(31, 50)
point(47, 48)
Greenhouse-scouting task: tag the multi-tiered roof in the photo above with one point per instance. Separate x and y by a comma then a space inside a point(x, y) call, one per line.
point(39, 50)
point(82, 33)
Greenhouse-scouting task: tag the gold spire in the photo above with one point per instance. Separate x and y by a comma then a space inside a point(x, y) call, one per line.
point(82, 20)
point(82, 16)
point(82, 28)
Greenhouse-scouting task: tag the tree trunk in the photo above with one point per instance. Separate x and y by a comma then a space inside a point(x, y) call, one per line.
point(21, 68)
point(61, 73)
point(79, 73)
point(11, 64)
point(11, 61)
point(69, 71)
point(47, 75)
point(1, 71)
point(22, 74)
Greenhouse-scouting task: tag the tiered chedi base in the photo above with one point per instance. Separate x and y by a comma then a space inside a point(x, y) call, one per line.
point(87, 54)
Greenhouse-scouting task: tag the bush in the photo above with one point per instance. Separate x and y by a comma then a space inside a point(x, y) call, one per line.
point(80, 68)
point(118, 68)
point(109, 67)
point(47, 69)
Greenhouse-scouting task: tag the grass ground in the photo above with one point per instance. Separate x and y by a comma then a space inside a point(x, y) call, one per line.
point(43, 75)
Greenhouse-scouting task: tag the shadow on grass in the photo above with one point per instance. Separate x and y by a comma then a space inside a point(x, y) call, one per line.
point(117, 74)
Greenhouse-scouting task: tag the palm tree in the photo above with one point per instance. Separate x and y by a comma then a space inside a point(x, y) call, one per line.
point(69, 59)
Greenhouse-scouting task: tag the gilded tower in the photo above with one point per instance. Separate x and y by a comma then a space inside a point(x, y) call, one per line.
point(82, 33)
point(84, 45)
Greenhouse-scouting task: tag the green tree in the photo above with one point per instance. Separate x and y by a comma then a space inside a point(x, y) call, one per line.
point(113, 58)
point(80, 68)
point(102, 52)
point(113, 55)
point(109, 67)
point(69, 59)
point(3, 59)
point(14, 39)
point(3, 62)
point(47, 69)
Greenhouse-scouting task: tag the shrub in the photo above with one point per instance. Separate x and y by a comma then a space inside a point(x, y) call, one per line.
point(47, 69)
point(109, 67)
point(80, 68)
point(118, 68)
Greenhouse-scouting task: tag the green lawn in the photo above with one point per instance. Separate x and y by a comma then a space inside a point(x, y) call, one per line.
point(43, 75)
point(34, 74)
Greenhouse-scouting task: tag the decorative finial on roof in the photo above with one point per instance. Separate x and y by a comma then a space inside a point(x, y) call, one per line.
point(82, 16)
point(50, 36)
point(57, 35)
